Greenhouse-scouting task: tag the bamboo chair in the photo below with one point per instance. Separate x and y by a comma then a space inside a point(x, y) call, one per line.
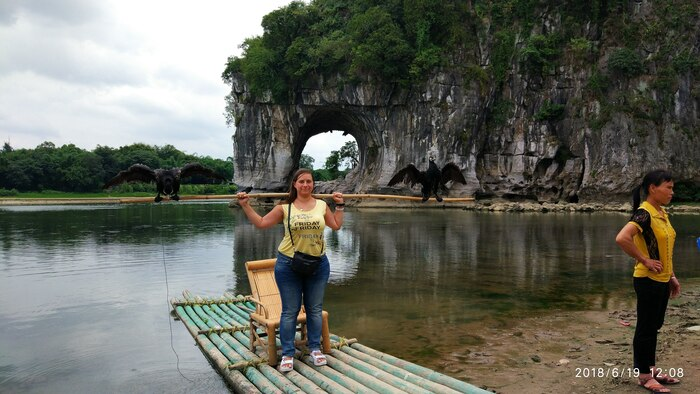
point(268, 308)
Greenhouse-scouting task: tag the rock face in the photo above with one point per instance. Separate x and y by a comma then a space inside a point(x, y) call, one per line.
point(494, 134)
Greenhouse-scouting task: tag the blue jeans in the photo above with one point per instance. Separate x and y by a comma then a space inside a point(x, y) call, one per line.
point(292, 288)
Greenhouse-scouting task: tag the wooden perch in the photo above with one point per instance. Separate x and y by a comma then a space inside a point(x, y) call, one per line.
point(284, 195)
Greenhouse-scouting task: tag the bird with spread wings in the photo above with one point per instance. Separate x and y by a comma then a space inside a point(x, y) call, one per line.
point(167, 180)
point(430, 180)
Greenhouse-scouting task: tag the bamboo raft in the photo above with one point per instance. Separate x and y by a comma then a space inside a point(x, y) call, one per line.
point(219, 327)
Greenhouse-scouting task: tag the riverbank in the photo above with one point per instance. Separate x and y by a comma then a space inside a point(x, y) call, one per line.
point(478, 205)
point(506, 206)
point(519, 206)
point(580, 351)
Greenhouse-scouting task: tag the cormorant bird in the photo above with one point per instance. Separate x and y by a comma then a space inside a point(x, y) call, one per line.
point(167, 181)
point(431, 180)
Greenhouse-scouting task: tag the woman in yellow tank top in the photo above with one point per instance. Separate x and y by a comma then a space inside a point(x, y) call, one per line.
point(649, 237)
point(306, 217)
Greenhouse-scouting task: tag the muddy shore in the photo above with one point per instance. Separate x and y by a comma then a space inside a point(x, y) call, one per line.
point(581, 351)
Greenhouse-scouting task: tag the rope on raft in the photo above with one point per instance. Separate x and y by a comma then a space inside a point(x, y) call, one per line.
point(209, 301)
point(247, 364)
point(342, 341)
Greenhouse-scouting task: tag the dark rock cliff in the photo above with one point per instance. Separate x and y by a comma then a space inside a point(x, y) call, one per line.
point(546, 135)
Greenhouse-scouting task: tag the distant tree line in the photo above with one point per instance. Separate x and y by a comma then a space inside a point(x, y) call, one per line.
point(71, 169)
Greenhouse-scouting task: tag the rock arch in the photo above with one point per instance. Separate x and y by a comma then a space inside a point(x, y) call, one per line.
point(392, 128)
point(327, 119)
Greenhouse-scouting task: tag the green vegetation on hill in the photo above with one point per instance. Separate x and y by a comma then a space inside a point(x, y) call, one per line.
point(404, 41)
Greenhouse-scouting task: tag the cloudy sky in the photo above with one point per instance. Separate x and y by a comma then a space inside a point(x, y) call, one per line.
point(118, 72)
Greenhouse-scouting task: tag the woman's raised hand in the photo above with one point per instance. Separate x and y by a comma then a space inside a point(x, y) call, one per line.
point(242, 198)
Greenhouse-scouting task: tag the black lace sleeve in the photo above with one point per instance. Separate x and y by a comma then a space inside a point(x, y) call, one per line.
point(642, 218)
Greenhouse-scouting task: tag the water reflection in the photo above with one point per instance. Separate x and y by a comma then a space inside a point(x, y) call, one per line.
point(83, 290)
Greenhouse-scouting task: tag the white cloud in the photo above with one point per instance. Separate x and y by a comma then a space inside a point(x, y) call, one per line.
point(119, 72)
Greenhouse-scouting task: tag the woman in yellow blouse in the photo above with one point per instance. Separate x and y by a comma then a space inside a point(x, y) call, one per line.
point(304, 219)
point(649, 237)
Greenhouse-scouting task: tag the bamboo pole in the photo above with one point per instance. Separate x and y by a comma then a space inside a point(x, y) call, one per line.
point(384, 376)
point(366, 379)
point(258, 378)
point(322, 381)
point(337, 377)
point(239, 342)
point(235, 378)
point(421, 371)
point(280, 196)
point(398, 372)
point(305, 384)
point(309, 381)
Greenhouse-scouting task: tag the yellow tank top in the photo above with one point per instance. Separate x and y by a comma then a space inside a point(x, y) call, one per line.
point(307, 229)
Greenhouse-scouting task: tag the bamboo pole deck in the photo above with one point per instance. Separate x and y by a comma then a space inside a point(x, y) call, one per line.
point(219, 327)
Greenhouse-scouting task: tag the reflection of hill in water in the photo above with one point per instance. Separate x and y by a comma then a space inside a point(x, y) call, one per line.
point(133, 224)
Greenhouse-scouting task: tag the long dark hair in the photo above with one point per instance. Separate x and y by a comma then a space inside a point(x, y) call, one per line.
point(292, 190)
point(656, 178)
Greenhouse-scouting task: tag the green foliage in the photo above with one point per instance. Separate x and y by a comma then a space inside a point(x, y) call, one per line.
point(332, 165)
point(625, 62)
point(71, 169)
point(500, 113)
point(501, 58)
point(686, 191)
point(259, 68)
point(8, 193)
point(550, 112)
point(348, 154)
point(322, 175)
point(597, 84)
point(380, 47)
point(473, 72)
point(396, 41)
point(539, 53)
point(306, 161)
point(580, 48)
point(665, 82)
point(685, 62)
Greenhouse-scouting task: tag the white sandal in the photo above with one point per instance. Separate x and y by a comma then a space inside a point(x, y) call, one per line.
point(319, 358)
point(287, 364)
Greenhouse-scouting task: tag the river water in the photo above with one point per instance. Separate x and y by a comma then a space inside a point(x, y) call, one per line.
point(84, 289)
